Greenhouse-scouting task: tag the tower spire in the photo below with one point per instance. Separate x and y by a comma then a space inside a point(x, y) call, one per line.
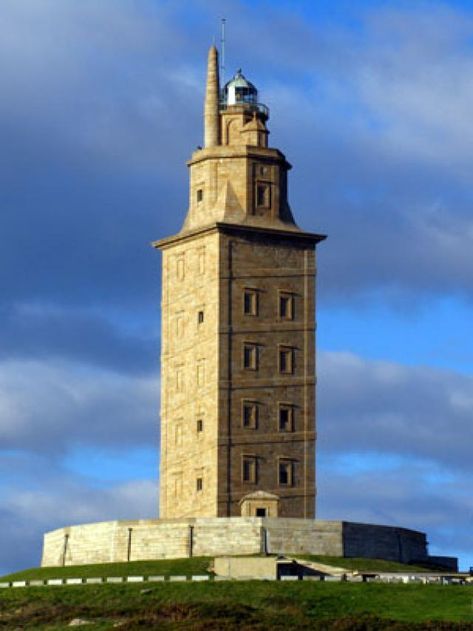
point(211, 110)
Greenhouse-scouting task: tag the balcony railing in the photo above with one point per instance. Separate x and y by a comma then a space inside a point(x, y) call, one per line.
point(252, 107)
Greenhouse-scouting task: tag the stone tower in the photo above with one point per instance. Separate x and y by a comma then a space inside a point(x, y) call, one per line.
point(238, 371)
point(238, 327)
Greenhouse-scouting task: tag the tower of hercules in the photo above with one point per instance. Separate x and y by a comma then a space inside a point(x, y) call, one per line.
point(238, 372)
point(238, 327)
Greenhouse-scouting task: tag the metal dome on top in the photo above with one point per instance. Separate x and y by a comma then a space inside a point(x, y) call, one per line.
point(240, 91)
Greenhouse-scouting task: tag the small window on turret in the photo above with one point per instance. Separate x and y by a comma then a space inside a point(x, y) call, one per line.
point(200, 194)
point(263, 196)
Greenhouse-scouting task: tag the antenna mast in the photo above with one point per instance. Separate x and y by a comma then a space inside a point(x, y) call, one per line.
point(222, 46)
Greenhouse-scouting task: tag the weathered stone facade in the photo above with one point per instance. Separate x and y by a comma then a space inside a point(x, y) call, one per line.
point(238, 330)
point(112, 541)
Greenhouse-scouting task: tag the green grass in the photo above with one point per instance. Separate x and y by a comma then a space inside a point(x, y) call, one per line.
point(363, 565)
point(241, 605)
point(168, 567)
point(188, 567)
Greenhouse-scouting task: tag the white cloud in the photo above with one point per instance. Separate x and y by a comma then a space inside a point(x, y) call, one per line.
point(50, 406)
point(93, 81)
point(420, 88)
point(73, 503)
point(383, 407)
point(61, 500)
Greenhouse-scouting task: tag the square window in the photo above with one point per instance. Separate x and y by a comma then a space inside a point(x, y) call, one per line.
point(286, 418)
point(286, 306)
point(250, 356)
point(260, 512)
point(200, 194)
point(250, 302)
point(199, 484)
point(285, 473)
point(200, 425)
point(286, 360)
point(250, 414)
point(249, 469)
point(200, 317)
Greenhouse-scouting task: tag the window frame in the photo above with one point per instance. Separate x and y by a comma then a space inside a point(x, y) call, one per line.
point(289, 408)
point(254, 414)
point(200, 372)
point(289, 297)
point(179, 324)
point(179, 378)
point(253, 301)
point(178, 432)
point(251, 461)
point(253, 357)
point(289, 470)
point(263, 195)
point(201, 260)
point(288, 352)
point(180, 267)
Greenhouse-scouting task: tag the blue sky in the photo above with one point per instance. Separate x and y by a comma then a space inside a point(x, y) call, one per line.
point(101, 106)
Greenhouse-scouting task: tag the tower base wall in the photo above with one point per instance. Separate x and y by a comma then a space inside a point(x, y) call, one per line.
point(118, 541)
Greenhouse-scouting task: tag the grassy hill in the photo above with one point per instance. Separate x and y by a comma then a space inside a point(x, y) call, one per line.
point(246, 605)
point(240, 605)
point(189, 567)
point(167, 567)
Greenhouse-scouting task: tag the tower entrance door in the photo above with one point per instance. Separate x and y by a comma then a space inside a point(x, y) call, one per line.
point(259, 504)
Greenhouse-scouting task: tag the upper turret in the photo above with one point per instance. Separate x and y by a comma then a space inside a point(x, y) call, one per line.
point(236, 178)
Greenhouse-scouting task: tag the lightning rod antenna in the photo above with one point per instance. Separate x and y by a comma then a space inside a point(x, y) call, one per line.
point(222, 56)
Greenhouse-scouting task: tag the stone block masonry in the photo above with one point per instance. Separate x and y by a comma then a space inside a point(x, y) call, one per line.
point(118, 541)
point(238, 328)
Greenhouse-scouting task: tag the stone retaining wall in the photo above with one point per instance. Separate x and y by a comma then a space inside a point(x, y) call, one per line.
point(137, 540)
point(384, 542)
